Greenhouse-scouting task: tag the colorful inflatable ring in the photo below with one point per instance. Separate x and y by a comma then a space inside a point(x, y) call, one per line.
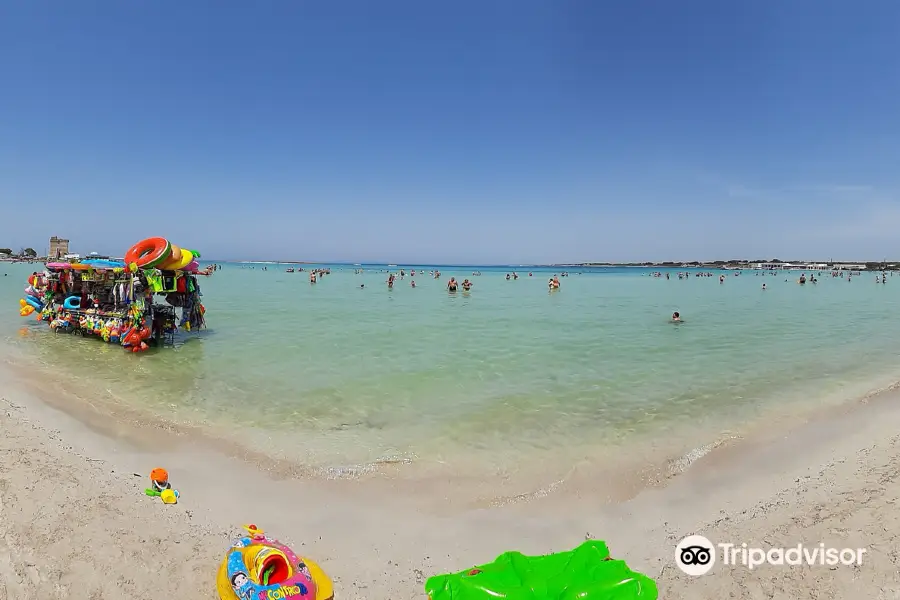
point(59, 265)
point(26, 311)
point(81, 267)
point(72, 303)
point(149, 253)
point(261, 568)
point(174, 259)
point(192, 268)
point(35, 302)
point(195, 253)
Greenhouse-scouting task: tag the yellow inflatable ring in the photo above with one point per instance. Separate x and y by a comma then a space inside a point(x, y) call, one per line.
point(174, 259)
point(186, 258)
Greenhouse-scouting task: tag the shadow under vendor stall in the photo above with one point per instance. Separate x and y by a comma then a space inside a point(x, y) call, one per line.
point(114, 299)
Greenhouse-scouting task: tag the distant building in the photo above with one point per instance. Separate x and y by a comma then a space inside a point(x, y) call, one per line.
point(59, 247)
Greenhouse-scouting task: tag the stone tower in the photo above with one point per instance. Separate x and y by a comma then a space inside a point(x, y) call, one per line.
point(58, 248)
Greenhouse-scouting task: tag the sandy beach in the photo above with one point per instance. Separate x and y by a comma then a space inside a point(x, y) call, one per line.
point(76, 524)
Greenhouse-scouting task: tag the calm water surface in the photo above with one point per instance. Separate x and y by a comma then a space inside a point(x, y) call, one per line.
point(509, 374)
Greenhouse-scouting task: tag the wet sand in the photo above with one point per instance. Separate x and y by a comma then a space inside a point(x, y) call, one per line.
point(74, 522)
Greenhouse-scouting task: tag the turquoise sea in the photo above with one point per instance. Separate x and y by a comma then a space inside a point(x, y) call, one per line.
point(507, 378)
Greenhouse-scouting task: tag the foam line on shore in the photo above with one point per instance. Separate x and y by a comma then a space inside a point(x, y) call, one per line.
point(833, 479)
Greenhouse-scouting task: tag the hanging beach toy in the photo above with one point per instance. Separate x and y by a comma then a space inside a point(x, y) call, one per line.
point(149, 253)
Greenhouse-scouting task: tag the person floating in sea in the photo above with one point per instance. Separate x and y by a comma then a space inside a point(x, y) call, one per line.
point(507, 276)
point(451, 285)
point(676, 317)
point(412, 283)
point(467, 285)
point(764, 286)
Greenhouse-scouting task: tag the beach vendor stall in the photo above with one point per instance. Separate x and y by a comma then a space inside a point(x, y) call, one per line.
point(117, 300)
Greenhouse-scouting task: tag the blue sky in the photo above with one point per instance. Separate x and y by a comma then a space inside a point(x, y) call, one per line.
point(468, 131)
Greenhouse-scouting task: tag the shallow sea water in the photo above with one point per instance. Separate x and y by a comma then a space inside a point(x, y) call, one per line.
point(507, 376)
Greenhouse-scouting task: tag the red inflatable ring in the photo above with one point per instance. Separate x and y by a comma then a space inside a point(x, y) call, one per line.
point(149, 253)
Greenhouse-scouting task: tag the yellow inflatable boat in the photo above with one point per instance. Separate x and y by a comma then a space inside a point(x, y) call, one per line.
point(259, 568)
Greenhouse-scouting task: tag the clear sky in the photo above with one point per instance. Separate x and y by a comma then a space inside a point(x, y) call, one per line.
point(471, 131)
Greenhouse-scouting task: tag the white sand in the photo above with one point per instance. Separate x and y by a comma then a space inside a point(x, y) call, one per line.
point(74, 522)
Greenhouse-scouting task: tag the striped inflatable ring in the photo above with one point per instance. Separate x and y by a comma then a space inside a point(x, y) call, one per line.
point(149, 253)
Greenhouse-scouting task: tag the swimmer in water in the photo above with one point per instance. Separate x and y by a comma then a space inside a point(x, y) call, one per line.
point(467, 285)
point(412, 283)
point(676, 317)
point(764, 286)
point(451, 285)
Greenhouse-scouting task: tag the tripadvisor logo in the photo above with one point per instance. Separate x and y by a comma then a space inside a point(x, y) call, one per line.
point(695, 555)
